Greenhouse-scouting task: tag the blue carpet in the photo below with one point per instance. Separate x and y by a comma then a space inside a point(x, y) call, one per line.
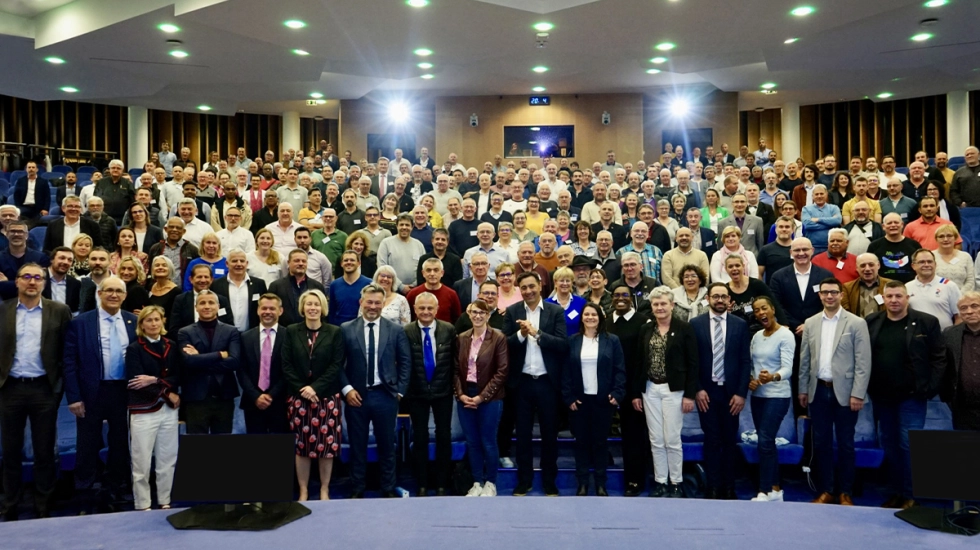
point(566, 522)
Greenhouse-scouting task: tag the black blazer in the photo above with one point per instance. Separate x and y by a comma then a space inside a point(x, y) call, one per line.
point(248, 374)
point(681, 358)
point(256, 287)
point(54, 324)
point(86, 295)
point(708, 244)
point(73, 291)
point(464, 289)
point(619, 234)
point(290, 306)
point(198, 371)
point(610, 370)
point(319, 370)
point(767, 214)
point(183, 312)
point(55, 234)
point(553, 341)
point(738, 359)
point(445, 354)
point(61, 192)
point(787, 293)
point(925, 347)
point(153, 235)
point(42, 194)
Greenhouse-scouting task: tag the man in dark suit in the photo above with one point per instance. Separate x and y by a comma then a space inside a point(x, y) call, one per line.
point(725, 369)
point(32, 194)
point(704, 238)
point(241, 291)
point(98, 263)
point(375, 378)
point(95, 387)
point(184, 311)
point(962, 347)
point(69, 189)
point(31, 379)
point(292, 286)
point(467, 289)
point(382, 182)
point(433, 344)
point(783, 283)
point(536, 337)
point(55, 234)
point(260, 376)
point(57, 283)
point(211, 352)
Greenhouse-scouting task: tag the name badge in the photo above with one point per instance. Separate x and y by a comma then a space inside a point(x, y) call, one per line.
point(751, 231)
point(704, 302)
point(153, 201)
point(904, 215)
point(472, 233)
point(219, 271)
point(295, 196)
point(748, 308)
point(879, 299)
point(255, 297)
point(816, 289)
point(840, 264)
point(222, 311)
point(955, 260)
point(357, 222)
point(573, 314)
point(325, 240)
point(273, 270)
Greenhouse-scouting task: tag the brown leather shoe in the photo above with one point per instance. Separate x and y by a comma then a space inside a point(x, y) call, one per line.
point(906, 504)
point(845, 500)
point(894, 502)
point(824, 498)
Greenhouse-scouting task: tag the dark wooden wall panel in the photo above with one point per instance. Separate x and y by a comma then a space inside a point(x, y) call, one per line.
point(204, 133)
point(312, 130)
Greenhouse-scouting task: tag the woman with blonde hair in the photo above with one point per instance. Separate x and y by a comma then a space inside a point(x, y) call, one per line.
point(81, 247)
point(131, 272)
point(955, 265)
point(210, 256)
point(564, 295)
point(265, 263)
point(396, 306)
point(731, 243)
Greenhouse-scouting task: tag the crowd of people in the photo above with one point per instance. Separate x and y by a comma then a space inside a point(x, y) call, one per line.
point(315, 289)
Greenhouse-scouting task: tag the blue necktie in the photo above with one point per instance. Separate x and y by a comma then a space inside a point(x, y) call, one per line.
point(116, 361)
point(370, 369)
point(428, 356)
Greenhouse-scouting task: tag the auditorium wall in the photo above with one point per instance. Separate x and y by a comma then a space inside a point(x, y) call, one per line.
point(360, 117)
point(708, 109)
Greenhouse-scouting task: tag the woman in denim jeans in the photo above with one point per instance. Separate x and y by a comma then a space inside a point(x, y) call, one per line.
point(480, 379)
point(772, 367)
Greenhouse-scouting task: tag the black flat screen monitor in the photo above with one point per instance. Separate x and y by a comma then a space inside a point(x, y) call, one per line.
point(234, 468)
point(944, 464)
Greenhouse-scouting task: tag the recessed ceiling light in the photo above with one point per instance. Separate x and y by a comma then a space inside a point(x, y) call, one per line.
point(168, 28)
point(658, 60)
point(423, 52)
point(294, 24)
point(203, 108)
point(802, 11)
point(54, 60)
point(936, 3)
point(665, 46)
point(425, 65)
point(316, 95)
point(790, 40)
point(180, 54)
point(921, 37)
point(653, 71)
point(884, 95)
point(301, 52)
point(417, 3)
point(768, 86)
point(540, 69)
point(69, 89)
point(538, 89)
point(428, 76)
point(543, 26)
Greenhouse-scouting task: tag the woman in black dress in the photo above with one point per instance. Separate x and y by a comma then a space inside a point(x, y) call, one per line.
point(312, 356)
point(160, 286)
point(131, 272)
point(744, 290)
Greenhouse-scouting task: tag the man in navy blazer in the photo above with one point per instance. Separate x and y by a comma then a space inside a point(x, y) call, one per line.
point(536, 338)
point(725, 367)
point(263, 400)
point(32, 194)
point(704, 237)
point(95, 388)
point(57, 274)
point(375, 378)
point(785, 288)
point(211, 352)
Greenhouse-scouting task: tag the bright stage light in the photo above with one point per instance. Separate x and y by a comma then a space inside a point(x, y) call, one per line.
point(680, 107)
point(398, 112)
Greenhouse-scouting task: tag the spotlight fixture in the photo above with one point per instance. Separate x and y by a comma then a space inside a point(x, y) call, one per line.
point(69, 89)
point(791, 40)
point(301, 52)
point(658, 60)
point(884, 95)
point(55, 60)
point(179, 54)
point(665, 46)
point(543, 26)
point(768, 86)
point(417, 3)
point(204, 108)
point(294, 24)
point(428, 76)
point(653, 71)
point(316, 95)
point(540, 69)
point(168, 28)
point(538, 89)
point(921, 37)
point(936, 3)
point(423, 52)
point(425, 65)
point(802, 11)
point(680, 107)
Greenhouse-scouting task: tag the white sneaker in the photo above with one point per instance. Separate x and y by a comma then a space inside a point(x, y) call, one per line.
point(489, 490)
point(762, 497)
point(475, 490)
point(506, 462)
point(775, 496)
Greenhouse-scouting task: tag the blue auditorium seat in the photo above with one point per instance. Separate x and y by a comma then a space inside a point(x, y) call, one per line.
point(4, 186)
point(938, 415)
point(37, 233)
point(867, 451)
point(135, 173)
point(788, 454)
point(970, 218)
point(692, 438)
point(87, 170)
point(51, 176)
point(16, 175)
point(902, 170)
point(61, 168)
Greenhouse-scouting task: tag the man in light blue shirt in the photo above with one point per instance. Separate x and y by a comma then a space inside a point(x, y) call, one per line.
point(819, 218)
point(650, 256)
point(495, 254)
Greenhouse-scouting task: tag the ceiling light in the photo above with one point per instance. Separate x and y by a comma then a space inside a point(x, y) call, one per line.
point(301, 52)
point(922, 37)
point(316, 95)
point(768, 85)
point(680, 107)
point(428, 76)
point(417, 3)
point(203, 108)
point(538, 89)
point(425, 65)
point(936, 3)
point(54, 60)
point(294, 24)
point(790, 40)
point(543, 26)
point(169, 28)
point(658, 60)
point(665, 46)
point(180, 54)
point(884, 95)
point(535, 128)
point(321, 101)
point(398, 111)
point(802, 11)
point(653, 71)
point(896, 79)
point(423, 52)
point(69, 89)
point(540, 69)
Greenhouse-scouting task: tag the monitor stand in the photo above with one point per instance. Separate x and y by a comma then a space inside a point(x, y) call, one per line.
point(957, 522)
point(239, 517)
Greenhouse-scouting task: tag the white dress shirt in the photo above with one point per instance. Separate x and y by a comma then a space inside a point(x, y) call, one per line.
point(828, 328)
point(71, 231)
point(533, 360)
point(239, 239)
point(590, 361)
point(29, 199)
point(802, 280)
point(239, 297)
point(195, 231)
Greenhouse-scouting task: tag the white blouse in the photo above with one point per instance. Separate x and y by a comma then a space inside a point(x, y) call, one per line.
point(590, 360)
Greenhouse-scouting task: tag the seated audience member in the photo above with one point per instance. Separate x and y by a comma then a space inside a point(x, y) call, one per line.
point(32, 194)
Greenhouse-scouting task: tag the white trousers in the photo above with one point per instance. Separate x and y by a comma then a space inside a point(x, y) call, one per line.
point(665, 418)
point(153, 435)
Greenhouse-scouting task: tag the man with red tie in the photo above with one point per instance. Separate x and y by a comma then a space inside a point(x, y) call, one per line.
point(263, 387)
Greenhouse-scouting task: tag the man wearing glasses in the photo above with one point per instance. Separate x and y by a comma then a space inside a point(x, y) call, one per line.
point(835, 368)
point(231, 200)
point(31, 380)
point(17, 255)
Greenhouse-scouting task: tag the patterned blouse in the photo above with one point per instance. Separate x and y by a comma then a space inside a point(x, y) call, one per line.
point(657, 369)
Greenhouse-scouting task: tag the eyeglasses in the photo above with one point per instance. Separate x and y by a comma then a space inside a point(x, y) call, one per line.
point(719, 296)
point(622, 295)
point(477, 313)
point(28, 278)
point(113, 291)
point(829, 292)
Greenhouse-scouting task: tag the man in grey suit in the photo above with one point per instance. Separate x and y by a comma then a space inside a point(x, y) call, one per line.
point(835, 365)
point(32, 330)
point(375, 378)
point(753, 230)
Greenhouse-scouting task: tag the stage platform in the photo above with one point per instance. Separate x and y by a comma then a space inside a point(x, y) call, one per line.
point(506, 522)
